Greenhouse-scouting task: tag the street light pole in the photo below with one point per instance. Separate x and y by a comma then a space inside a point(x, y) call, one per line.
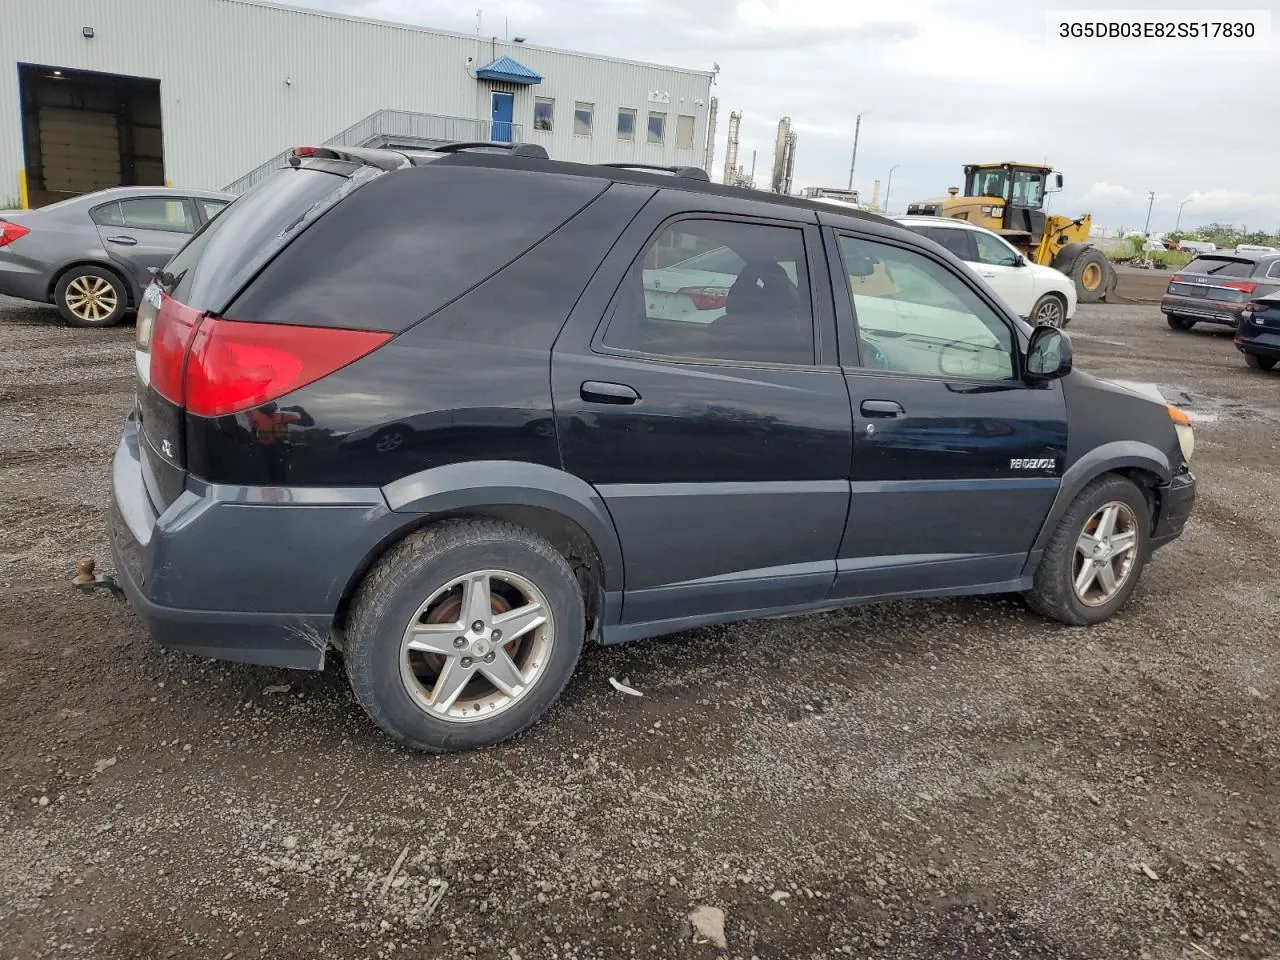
point(1178, 225)
point(888, 187)
point(1151, 202)
point(857, 125)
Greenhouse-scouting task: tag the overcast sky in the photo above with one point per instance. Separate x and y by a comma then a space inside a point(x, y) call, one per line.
point(941, 83)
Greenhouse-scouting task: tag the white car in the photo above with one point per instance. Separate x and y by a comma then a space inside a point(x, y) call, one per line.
point(1040, 295)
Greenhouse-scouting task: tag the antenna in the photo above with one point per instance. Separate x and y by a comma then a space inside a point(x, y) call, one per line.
point(506, 28)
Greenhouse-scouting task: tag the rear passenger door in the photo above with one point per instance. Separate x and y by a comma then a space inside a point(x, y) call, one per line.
point(144, 232)
point(956, 459)
point(697, 388)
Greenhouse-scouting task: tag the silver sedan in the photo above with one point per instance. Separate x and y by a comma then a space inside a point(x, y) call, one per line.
point(91, 256)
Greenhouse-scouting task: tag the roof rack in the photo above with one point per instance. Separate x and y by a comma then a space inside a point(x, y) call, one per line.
point(689, 173)
point(534, 150)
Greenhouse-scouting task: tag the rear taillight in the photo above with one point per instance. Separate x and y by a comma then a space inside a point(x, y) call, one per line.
point(10, 232)
point(706, 298)
point(1244, 286)
point(1177, 278)
point(174, 328)
point(235, 366)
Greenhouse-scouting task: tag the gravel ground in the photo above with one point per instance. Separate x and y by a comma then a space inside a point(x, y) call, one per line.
point(910, 780)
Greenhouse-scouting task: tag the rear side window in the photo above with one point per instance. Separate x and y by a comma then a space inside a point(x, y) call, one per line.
point(1220, 267)
point(718, 290)
point(410, 242)
point(165, 214)
point(232, 247)
point(956, 239)
point(1273, 272)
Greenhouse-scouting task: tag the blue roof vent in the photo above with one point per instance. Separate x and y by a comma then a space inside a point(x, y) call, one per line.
point(508, 71)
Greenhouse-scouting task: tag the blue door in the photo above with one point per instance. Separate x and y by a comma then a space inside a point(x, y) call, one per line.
point(503, 108)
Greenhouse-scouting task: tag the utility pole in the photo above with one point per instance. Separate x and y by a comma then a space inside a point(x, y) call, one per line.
point(857, 125)
point(1178, 225)
point(888, 187)
point(1151, 202)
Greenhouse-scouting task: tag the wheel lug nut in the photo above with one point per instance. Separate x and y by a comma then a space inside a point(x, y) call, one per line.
point(490, 658)
point(466, 661)
point(478, 626)
point(496, 636)
point(459, 642)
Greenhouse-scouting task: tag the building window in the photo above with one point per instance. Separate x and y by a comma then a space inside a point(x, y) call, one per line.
point(657, 126)
point(684, 132)
point(626, 124)
point(583, 114)
point(544, 112)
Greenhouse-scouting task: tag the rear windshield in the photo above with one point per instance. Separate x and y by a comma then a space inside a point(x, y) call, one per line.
point(1220, 267)
point(210, 270)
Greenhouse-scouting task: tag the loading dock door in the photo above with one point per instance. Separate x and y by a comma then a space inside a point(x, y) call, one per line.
point(81, 150)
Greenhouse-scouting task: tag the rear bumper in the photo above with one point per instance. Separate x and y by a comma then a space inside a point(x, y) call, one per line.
point(255, 575)
point(1201, 309)
point(1263, 344)
point(21, 281)
point(1177, 498)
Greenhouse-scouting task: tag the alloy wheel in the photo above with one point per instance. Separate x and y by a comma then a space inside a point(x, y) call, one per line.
point(477, 646)
point(1105, 553)
point(1049, 314)
point(92, 299)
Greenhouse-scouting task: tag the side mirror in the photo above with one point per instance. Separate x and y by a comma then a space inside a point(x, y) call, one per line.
point(1019, 261)
point(1057, 179)
point(1048, 354)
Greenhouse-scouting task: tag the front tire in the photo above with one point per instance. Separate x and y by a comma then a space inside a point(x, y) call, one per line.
point(1182, 324)
point(1256, 362)
point(463, 635)
point(1092, 275)
point(1095, 557)
point(89, 296)
point(1049, 311)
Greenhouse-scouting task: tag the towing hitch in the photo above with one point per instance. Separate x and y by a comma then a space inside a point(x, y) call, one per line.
point(86, 580)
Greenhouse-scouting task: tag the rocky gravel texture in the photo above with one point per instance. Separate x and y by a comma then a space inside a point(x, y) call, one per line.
point(954, 778)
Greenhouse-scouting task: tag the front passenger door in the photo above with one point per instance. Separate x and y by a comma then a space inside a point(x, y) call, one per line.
point(998, 265)
point(956, 459)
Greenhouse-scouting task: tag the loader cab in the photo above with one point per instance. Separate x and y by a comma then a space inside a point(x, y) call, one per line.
point(1022, 187)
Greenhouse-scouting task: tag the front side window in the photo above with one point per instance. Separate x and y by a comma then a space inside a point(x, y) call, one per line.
point(544, 113)
point(1028, 188)
point(684, 132)
point(156, 213)
point(626, 124)
point(583, 114)
point(657, 126)
point(718, 290)
point(915, 316)
point(993, 250)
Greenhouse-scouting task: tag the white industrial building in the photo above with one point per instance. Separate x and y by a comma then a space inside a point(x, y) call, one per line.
point(208, 93)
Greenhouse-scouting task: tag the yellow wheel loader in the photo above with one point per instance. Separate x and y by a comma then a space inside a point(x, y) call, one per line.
point(1008, 198)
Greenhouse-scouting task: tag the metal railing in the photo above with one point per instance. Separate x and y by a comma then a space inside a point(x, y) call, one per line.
point(382, 127)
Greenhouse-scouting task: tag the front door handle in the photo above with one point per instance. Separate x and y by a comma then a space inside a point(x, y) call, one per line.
point(989, 276)
point(882, 408)
point(123, 241)
point(596, 391)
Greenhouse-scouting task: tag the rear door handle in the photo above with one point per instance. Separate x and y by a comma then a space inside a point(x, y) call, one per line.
point(123, 241)
point(596, 391)
point(882, 408)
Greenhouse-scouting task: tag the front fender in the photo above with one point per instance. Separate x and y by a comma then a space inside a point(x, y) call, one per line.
point(509, 483)
point(1106, 458)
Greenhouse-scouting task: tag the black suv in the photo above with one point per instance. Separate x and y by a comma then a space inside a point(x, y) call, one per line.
point(1217, 287)
point(454, 413)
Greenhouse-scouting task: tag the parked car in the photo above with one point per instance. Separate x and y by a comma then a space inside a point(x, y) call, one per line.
point(91, 255)
point(1258, 336)
point(1216, 287)
point(863, 420)
point(1042, 295)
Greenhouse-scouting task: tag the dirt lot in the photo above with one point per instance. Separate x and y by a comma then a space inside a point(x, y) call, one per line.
point(913, 780)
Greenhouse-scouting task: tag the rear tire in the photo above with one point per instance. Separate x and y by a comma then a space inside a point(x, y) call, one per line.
point(89, 296)
point(1180, 323)
point(1066, 564)
point(1256, 362)
point(407, 691)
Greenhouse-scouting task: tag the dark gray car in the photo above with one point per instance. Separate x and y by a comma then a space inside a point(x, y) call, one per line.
point(91, 256)
point(1216, 287)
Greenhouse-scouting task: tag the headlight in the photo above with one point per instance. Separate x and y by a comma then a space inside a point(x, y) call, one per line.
point(1186, 436)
